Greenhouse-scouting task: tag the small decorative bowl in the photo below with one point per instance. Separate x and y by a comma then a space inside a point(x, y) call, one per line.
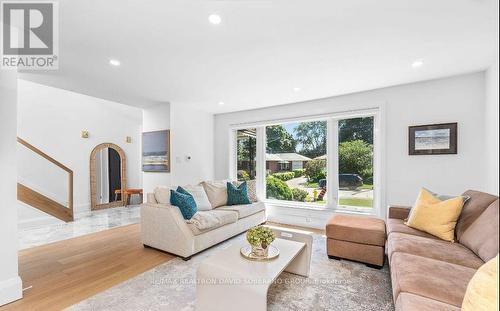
point(248, 253)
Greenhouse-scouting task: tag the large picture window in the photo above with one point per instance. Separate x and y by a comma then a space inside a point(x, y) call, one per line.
point(321, 163)
point(296, 162)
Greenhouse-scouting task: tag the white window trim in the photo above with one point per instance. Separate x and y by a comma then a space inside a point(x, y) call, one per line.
point(232, 152)
point(332, 160)
point(318, 207)
point(261, 162)
point(332, 119)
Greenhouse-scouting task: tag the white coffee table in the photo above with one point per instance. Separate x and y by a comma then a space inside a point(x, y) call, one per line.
point(227, 281)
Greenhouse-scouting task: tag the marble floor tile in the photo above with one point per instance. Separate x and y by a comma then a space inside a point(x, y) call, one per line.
point(95, 222)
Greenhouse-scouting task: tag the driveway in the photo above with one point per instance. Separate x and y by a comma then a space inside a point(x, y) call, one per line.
point(296, 182)
point(300, 182)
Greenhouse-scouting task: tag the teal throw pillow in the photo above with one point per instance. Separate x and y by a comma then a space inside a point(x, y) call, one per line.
point(183, 191)
point(185, 202)
point(237, 195)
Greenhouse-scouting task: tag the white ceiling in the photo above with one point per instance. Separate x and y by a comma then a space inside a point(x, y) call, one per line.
point(264, 49)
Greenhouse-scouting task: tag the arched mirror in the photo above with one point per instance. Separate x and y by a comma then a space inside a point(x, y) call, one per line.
point(107, 176)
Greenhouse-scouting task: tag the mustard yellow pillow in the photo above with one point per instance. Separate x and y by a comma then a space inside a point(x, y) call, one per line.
point(435, 216)
point(482, 291)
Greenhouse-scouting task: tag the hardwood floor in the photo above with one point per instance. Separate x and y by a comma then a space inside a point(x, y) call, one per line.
point(63, 273)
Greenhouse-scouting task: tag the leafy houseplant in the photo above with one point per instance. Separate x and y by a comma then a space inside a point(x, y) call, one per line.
point(260, 238)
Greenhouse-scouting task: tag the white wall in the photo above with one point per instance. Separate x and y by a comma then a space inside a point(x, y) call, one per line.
point(491, 123)
point(192, 136)
point(457, 99)
point(156, 118)
point(10, 283)
point(52, 119)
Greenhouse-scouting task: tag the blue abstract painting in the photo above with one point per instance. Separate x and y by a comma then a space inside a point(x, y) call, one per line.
point(156, 151)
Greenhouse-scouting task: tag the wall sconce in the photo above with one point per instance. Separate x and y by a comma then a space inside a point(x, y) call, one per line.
point(128, 139)
point(85, 134)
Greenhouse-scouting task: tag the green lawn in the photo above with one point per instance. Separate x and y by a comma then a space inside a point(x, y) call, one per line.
point(360, 202)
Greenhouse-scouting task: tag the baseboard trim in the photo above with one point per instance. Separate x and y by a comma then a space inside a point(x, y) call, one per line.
point(81, 210)
point(38, 222)
point(11, 290)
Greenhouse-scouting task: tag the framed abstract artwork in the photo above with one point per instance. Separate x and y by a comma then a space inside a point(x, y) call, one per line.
point(433, 139)
point(156, 151)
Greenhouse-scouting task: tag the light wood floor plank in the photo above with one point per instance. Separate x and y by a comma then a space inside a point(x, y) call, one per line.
point(67, 272)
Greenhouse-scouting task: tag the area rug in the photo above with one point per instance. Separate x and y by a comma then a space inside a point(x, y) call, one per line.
point(332, 285)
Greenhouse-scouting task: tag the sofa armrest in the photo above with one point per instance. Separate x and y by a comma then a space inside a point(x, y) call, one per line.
point(399, 212)
point(163, 227)
point(151, 199)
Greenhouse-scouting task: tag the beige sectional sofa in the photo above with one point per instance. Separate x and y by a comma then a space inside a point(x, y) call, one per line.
point(164, 228)
point(431, 274)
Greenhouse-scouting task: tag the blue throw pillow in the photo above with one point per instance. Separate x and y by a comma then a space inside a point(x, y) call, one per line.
point(185, 202)
point(237, 195)
point(183, 191)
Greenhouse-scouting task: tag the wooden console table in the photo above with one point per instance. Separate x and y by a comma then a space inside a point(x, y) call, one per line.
point(127, 193)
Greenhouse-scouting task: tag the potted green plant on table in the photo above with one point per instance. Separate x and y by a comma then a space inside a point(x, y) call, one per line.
point(260, 238)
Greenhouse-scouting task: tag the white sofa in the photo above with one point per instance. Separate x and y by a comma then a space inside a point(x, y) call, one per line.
point(164, 228)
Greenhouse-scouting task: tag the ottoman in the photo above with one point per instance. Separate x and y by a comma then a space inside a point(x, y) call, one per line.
point(356, 238)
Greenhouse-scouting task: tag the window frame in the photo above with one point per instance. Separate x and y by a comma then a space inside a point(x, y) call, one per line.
point(332, 120)
point(234, 152)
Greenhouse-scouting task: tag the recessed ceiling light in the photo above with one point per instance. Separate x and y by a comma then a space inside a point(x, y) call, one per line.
point(114, 62)
point(296, 89)
point(214, 19)
point(418, 63)
point(221, 103)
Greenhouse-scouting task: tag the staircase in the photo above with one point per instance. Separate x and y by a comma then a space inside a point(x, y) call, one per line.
point(42, 202)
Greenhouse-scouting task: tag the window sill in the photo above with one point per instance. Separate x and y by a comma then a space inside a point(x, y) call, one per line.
point(289, 204)
point(319, 208)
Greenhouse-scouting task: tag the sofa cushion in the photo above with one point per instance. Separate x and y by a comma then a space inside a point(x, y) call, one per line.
point(357, 229)
point(246, 209)
point(434, 215)
point(226, 217)
point(399, 212)
point(200, 197)
point(397, 225)
point(184, 201)
point(430, 278)
point(216, 192)
point(162, 195)
point(412, 302)
point(432, 248)
point(214, 218)
point(237, 195)
point(474, 207)
point(251, 189)
point(482, 235)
